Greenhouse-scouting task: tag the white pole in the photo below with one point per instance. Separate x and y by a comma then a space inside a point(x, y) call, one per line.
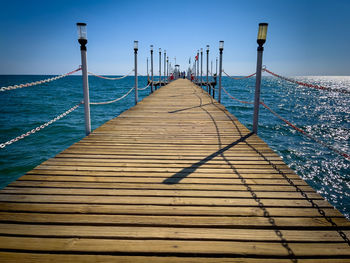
point(197, 66)
point(83, 41)
point(152, 68)
point(160, 67)
point(208, 88)
point(261, 40)
point(164, 65)
point(201, 67)
point(221, 48)
point(86, 92)
point(135, 55)
point(257, 90)
point(167, 69)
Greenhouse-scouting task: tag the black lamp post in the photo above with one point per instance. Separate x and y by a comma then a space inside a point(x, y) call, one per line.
point(197, 66)
point(136, 48)
point(260, 40)
point(151, 68)
point(221, 49)
point(82, 39)
point(160, 67)
point(164, 66)
point(167, 68)
point(208, 87)
point(201, 67)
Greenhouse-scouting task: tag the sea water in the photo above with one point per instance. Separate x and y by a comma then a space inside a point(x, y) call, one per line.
point(323, 114)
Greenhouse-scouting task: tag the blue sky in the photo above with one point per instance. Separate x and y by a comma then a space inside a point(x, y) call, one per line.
point(305, 37)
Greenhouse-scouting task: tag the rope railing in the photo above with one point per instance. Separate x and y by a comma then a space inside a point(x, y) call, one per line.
point(145, 87)
point(213, 87)
point(345, 155)
point(102, 77)
point(245, 77)
point(3, 145)
point(241, 101)
point(38, 82)
point(306, 84)
point(112, 101)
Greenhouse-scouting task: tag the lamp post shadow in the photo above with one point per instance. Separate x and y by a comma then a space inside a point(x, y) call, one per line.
point(177, 177)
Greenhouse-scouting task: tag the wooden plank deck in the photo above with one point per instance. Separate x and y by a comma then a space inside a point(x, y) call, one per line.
point(172, 179)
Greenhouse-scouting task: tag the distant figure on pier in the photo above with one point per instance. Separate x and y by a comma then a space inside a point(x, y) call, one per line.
point(171, 77)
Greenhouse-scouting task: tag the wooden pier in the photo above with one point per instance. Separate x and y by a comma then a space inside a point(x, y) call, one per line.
point(176, 178)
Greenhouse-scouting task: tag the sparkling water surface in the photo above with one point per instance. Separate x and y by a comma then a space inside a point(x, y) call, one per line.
point(323, 114)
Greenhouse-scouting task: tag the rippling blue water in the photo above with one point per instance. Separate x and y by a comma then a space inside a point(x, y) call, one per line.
point(321, 113)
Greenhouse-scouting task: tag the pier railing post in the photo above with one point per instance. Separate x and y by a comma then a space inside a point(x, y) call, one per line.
point(261, 40)
point(165, 66)
point(215, 78)
point(167, 69)
point(221, 48)
point(160, 67)
point(83, 41)
point(208, 87)
point(211, 73)
point(152, 68)
point(136, 43)
point(195, 69)
point(201, 67)
point(197, 66)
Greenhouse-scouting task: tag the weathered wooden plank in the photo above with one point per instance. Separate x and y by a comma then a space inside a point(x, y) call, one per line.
point(173, 220)
point(154, 163)
point(233, 248)
point(163, 174)
point(174, 233)
point(165, 210)
point(158, 192)
point(206, 187)
point(169, 168)
point(160, 220)
point(164, 159)
point(202, 201)
point(22, 257)
point(169, 180)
